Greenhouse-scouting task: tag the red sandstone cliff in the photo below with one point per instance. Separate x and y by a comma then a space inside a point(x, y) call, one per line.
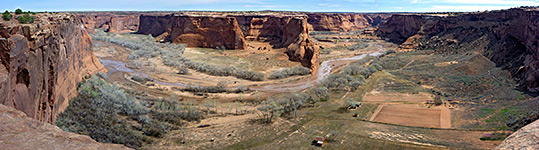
point(289, 32)
point(509, 38)
point(344, 21)
point(41, 64)
point(195, 31)
point(110, 22)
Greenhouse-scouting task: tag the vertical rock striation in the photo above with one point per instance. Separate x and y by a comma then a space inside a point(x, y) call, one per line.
point(42, 63)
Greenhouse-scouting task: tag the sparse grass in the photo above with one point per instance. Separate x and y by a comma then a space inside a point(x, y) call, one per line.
point(485, 92)
point(214, 57)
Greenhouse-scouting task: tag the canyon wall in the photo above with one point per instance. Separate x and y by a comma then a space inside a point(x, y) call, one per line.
point(195, 31)
point(289, 32)
point(232, 32)
point(110, 22)
point(344, 21)
point(41, 64)
point(509, 38)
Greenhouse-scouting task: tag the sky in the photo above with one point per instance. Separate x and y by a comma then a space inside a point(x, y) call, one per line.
point(255, 5)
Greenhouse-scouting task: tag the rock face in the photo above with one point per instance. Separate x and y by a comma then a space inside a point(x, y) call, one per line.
point(400, 27)
point(290, 32)
point(21, 132)
point(509, 38)
point(525, 138)
point(42, 63)
point(110, 22)
point(344, 21)
point(232, 32)
point(195, 31)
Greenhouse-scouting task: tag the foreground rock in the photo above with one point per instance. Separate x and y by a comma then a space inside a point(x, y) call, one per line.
point(41, 64)
point(509, 38)
point(525, 138)
point(21, 132)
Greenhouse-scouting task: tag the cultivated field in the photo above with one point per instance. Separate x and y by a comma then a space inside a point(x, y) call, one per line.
point(411, 115)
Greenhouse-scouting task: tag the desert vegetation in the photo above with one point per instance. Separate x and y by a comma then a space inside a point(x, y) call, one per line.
point(145, 47)
point(288, 104)
point(107, 113)
point(7, 16)
point(288, 72)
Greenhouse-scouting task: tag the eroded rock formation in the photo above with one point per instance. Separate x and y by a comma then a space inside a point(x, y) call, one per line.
point(42, 63)
point(509, 38)
point(290, 32)
point(110, 22)
point(21, 132)
point(195, 31)
point(344, 21)
point(232, 32)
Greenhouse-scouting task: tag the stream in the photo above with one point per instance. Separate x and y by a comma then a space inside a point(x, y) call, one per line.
point(295, 86)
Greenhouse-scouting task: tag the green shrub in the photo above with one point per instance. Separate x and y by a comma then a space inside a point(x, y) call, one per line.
point(7, 16)
point(288, 72)
point(26, 18)
point(18, 11)
point(497, 136)
point(94, 112)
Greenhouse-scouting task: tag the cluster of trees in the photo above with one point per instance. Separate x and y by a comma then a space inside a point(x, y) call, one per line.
point(225, 71)
point(220, 88)
point(140, 78)
point(288, 104)
point(97, 109)
point(172, 56)
point(7, 16)
point(288, 72)
point(143, 47)
point(350, 78)
point(359, 45)
point(26, 18)
point(173, 112)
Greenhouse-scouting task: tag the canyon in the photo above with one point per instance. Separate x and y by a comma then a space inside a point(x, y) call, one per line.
point(233, 31)
point(508, 38)
point(42, 63)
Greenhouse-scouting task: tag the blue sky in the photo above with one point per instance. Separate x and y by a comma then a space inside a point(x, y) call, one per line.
point(248, 5)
